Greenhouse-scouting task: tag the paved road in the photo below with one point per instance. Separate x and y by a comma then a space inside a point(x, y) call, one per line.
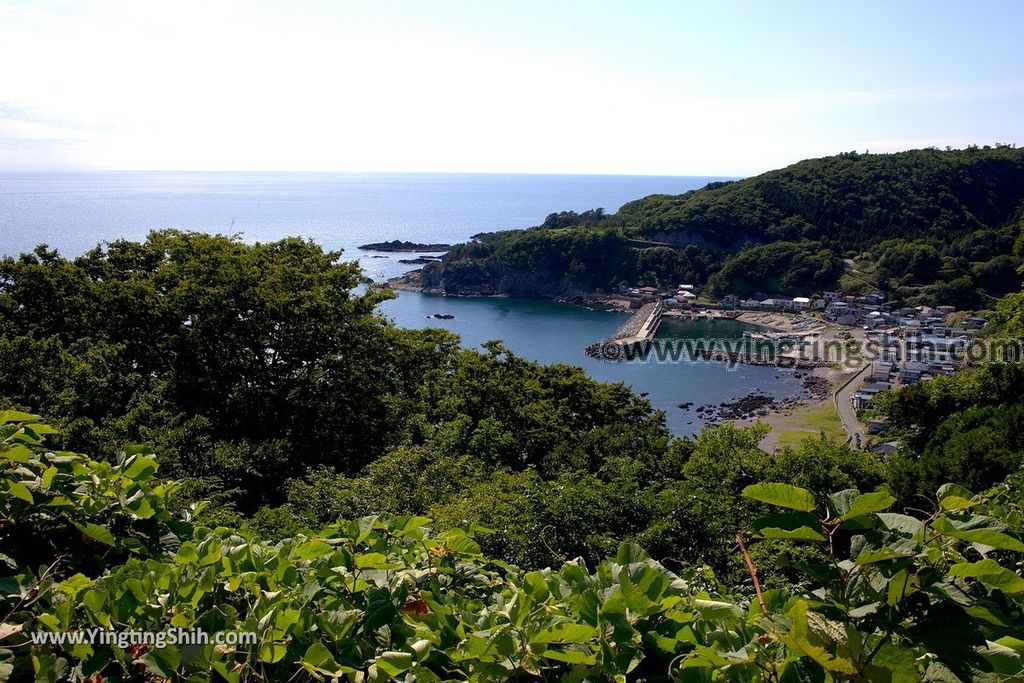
point(845, 407)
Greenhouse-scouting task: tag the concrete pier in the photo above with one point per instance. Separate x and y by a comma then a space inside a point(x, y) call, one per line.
point(640, 328)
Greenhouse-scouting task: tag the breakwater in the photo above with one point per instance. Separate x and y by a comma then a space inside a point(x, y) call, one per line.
point(639, 328)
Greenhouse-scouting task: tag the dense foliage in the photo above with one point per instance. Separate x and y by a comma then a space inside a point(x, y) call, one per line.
point(886, 596)
point(268, 388)
point(243, 366)
point(678, 501)
point(966, 428)
point(926, 225)
point(276, 402)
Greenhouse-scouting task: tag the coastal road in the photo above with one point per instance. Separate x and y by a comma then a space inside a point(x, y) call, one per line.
point(844, 406)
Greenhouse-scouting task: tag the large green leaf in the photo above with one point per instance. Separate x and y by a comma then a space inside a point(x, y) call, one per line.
point(139, 467)
point(792, 526)
point(990, 573)
point(97, 533)
point(955, 497)
point(570, 656)
point(866, 503)
point(895, 664)
point(19, 490)
point(781, 495)
point(564, 633)
point(802, 639)
point(7, 416)
point(989, 537)
point(394, 664)
point(319, 660)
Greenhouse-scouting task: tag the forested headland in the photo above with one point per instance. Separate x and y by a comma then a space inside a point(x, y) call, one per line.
point(270, 454)
point(921, 226)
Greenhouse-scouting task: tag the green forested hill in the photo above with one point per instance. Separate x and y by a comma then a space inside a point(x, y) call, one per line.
point(924, 217)
point(848, 202)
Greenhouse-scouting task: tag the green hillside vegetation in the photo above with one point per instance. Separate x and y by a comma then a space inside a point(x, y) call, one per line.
point(273, 403)
point(266, 386)
point(883, 596)
point(928, 224)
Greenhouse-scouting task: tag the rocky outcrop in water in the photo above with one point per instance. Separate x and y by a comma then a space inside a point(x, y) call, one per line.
point(398, 245)
point(759, 404)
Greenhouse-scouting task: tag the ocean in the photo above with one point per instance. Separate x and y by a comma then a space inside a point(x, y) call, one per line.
point(72, 212)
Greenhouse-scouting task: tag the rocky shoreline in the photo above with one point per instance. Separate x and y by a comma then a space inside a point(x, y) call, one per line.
point(758, 404)
point(420, 260)
point(412, 281)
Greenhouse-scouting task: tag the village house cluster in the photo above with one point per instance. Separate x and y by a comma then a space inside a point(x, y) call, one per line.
point(869, 310)
point(913, 344)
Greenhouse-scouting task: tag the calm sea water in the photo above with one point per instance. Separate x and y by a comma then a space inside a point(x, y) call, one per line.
point(551, 332)
point(73, 212)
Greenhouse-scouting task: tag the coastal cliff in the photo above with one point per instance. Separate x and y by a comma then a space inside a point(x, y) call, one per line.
point(485, 278)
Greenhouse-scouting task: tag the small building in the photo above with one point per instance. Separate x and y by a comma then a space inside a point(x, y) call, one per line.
point(776, 304)
point(836, 309)
point(831, 296)
point(874, 320)
point(932, 348)
point(848, 319)
point(887, 448)
point(687, 288)
point(801, 303)
point(648, 291)
point(818, 305)
point(946, 310)
point(750, 304)
point(911, 372)
point(867, 392)
point(877, 424)
point(880, 371)
point(730, 300)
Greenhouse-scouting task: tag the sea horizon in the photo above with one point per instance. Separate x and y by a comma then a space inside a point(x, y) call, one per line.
point(13, 171)
point(72, 211)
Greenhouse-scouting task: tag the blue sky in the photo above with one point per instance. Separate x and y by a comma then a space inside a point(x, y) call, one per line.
point(723, 88)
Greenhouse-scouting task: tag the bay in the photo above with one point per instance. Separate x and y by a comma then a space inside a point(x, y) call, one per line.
point(552, 332)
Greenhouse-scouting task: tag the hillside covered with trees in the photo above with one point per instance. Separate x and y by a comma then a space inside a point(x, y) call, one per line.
point(882, 596)
point(243, 402)
point(926, 224)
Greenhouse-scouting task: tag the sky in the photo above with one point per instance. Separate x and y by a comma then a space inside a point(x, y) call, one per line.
point(630, 87)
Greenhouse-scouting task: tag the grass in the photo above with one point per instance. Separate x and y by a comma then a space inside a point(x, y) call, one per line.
point(807, 421)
